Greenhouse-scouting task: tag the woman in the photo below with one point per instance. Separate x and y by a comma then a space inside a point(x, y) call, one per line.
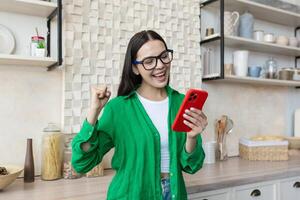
point(149, 157)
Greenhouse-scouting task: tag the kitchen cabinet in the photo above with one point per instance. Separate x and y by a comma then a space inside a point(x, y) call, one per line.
point(220, 44)
point(290, 189)
point(43, 9)
point(261, 191)
point(280, 189)
point(212, 195)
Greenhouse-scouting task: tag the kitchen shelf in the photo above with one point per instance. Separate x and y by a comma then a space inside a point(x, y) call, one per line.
point(28, 7)
point(26, 60)
point(250, 44)
point(262, 81)
point(253, 45)
point(264, 12)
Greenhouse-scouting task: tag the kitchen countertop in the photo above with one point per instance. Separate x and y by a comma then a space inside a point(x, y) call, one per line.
point(232, 172)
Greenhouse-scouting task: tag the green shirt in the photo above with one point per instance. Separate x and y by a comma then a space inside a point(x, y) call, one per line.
point(125, 125)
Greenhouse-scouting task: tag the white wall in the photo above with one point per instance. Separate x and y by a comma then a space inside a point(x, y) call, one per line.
point(30, 97)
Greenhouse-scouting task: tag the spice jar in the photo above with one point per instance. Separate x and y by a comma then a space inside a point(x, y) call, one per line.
point(52, 153)
point(69, 172)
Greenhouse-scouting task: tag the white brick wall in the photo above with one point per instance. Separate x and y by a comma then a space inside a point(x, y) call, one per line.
point(96, 37)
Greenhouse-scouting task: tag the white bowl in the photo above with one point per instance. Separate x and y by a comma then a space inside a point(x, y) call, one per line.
point(13, 172)
point(282, 40)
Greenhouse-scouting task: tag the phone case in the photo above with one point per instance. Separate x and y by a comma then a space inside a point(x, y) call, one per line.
point(193, 98)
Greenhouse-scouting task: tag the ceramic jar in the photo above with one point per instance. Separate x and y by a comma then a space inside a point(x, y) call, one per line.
point(240, 62)
point(258, 35)
point(246, 25)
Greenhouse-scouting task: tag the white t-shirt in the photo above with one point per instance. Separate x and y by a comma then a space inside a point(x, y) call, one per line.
point(158, 113)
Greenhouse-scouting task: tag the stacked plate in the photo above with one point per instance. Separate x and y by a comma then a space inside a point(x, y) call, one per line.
point(7, 40)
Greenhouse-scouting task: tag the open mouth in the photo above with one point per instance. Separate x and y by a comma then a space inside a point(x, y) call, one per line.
point(160, 76)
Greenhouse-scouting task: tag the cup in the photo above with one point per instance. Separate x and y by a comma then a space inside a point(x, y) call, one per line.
point(254, 71)
point(293, 41)
point(240, 62)
point(209, 31)
point(210, 152)
point(269, 37)
point(258, 35)
point(228, 69)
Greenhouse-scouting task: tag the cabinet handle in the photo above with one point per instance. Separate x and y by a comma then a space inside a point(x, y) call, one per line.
point(204, 199)
point(255, 193)
point(296, 185)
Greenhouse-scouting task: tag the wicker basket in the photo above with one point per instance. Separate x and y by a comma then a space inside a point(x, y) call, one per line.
point(263, 150)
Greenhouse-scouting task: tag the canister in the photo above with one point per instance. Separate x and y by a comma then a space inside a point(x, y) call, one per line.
point(52, 153)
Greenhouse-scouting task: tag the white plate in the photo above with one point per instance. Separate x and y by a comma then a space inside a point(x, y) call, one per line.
point(7, 40)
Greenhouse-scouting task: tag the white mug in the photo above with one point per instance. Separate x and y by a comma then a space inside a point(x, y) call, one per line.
point(258, 35)
point(230, 22)
point(240, 63)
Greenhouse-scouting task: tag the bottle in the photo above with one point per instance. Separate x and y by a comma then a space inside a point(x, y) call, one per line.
point(52, 153)
point(29, 163)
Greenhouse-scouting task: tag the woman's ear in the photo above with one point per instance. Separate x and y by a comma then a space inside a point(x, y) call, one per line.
point(135, 70)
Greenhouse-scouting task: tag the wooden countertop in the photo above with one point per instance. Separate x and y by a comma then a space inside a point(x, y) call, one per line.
point(232, 172)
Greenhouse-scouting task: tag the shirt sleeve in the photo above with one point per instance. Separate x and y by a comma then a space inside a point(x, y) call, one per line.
point(100, 139)
point(192, 162)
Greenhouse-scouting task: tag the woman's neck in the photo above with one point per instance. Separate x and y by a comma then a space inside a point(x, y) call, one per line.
point(151, 93)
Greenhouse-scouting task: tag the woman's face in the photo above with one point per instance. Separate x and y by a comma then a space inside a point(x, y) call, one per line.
point(159, 75)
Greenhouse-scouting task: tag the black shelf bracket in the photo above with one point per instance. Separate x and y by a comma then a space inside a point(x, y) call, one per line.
point(297, 57)
point(56, 13)
point(205, 3)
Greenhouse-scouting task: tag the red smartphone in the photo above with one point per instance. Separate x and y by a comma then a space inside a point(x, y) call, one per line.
point(194, 98)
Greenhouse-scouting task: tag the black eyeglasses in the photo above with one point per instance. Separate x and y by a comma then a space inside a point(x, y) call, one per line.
point(150, 63)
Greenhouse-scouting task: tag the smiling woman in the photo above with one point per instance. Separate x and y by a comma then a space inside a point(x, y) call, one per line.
point(149, 157)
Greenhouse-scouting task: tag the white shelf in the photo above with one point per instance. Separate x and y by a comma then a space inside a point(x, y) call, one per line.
point(262, 81)
point(253, 45)
point(28, 7)
point(264, 12)
point(26, 60)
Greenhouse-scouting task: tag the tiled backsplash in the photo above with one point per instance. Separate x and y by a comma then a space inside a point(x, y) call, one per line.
point(96, 37)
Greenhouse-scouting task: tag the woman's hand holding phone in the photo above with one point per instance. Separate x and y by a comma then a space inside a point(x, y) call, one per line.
point(196, 120)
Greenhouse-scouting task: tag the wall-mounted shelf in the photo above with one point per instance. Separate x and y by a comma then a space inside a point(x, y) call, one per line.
point(6, 59)
point(263, 81)
point(253, 45)
point(217, 42)
point(39, 8)
point(265, 12)
point(28, 7)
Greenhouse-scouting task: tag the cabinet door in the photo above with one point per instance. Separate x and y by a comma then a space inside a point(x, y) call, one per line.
point(260, 192)
point(290, 189)
point(211, 195)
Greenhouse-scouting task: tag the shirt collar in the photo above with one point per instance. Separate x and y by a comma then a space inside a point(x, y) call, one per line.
point(133, 93)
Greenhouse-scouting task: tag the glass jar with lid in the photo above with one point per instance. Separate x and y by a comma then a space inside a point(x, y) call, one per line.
point(52, 153)
point(271, 68)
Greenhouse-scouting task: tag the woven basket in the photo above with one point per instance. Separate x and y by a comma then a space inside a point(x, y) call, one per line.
point(260, 152)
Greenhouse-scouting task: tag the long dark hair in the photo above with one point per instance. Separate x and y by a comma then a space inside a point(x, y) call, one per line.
point(130, 80)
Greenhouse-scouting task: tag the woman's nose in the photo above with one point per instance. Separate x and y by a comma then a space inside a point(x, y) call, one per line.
point(160, 64)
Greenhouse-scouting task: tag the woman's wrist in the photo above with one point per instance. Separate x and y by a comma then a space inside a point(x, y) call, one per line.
point(93, 115)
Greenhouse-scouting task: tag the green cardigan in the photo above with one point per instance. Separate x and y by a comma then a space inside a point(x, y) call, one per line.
point(125, 125)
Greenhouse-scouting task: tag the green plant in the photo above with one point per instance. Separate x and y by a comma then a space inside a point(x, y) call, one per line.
point(40, 45)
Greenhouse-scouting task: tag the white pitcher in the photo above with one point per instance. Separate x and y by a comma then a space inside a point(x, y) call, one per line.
point(230, 22)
